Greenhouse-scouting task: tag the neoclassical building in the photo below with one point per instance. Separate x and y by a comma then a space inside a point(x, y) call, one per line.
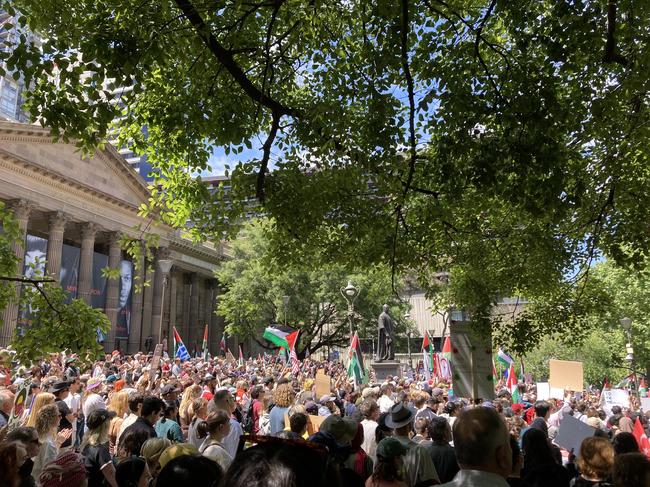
point(73, 211)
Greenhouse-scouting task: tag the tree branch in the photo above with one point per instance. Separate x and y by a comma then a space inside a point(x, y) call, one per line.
point(266, 155)
point(611, 55)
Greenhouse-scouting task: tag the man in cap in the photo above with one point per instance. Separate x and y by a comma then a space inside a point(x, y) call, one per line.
point(71, 370)
point(418, 466)
point(482, 445)
point(61, 390)
point(327, 405)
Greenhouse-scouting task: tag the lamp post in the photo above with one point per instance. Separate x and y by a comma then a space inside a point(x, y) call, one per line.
point(626, 323)
point(350, 294)
point(285, 300)
point(407, 317)
point(165, 266)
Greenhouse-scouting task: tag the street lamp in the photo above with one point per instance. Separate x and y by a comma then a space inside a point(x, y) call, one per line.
point(350, 293)
point(626, 323)
point(285, 300)
point(165, 266)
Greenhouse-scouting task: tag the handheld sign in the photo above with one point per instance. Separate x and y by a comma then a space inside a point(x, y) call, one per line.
point(571, 433)
point(565, 374)
point(155, 363)
point(471, 361)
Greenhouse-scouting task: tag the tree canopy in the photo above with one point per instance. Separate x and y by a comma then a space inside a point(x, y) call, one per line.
point(255, 290)
point(503, 142)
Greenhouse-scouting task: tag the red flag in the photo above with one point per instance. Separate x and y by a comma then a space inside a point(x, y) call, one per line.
point(291, 339)
point(641, 438)
point(446, 348)
point(606, 384)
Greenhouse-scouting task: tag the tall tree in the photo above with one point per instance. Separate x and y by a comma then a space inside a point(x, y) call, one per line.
point(255, 287)
point(504, 142)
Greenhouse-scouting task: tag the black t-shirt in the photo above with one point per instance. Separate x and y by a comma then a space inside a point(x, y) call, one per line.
point(95, 457)
point(64, 424)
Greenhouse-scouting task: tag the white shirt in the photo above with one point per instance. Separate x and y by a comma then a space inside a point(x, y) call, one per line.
point(231, 442)
point(214, 450)
point(476, 478)
point(385, 403)
point(73, 401)
point(369, 444)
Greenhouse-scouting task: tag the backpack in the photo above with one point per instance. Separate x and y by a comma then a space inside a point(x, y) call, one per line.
point(247, 421)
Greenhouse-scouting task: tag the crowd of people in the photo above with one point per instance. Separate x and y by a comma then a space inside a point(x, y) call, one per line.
point(119, 422)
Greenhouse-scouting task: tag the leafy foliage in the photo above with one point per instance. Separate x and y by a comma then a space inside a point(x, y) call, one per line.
point(503, 142)
point(255, 287)
point(9, 233)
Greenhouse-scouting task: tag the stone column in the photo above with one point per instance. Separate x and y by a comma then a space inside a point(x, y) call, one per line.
point(216, 325)
point(88, 234)
point(158, 283)
point(200, 318)
point(21, 210)
point(146, 305)
point(187, 287)
point(135, 335)
point(55, 244)
point(194, 309)
point(112, 293)
point(173, 303)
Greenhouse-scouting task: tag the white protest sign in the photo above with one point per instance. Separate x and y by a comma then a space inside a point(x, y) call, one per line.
point(645, 404)
point(615, 397)
point(543, 391)
point(471, 361)
point(556, 393)
point(571, 433)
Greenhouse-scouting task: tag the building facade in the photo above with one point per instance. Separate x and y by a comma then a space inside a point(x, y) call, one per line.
point(73, 211)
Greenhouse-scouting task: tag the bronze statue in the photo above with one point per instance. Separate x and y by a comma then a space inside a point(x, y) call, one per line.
point(386, 327)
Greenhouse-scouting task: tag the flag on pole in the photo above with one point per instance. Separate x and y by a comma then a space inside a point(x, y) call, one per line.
point(513, 384)
point(179, 346)
point(295, 363)
point(281, 336)
point(641, 437)
point(427, 355)
point(206, 353)
point(222, 343)
point(356, 370)
point(241, 356)
point(446, 348)
point(504, 359)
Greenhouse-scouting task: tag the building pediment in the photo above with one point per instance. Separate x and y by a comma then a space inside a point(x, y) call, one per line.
point(104, 173)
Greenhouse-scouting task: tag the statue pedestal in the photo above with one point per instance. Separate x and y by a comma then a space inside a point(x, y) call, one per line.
point(386, 368)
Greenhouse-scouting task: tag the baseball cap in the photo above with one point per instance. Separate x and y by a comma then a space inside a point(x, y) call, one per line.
point(98, 417)
point(168, 389)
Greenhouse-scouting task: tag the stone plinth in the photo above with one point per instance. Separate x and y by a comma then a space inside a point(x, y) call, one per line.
point(386, 368)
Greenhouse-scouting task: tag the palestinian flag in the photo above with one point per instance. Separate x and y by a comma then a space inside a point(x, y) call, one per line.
point(512, 384)
point(356, 370)
point(222, 343)
point(446, 348)
point(427, 355)
point(206, 353)
point(504, 359)
point(281, 336)
point(241, 356)
point(179, 347)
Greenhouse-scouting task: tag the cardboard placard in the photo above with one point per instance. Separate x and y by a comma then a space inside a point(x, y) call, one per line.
point(556, 393)
point(571, 433)
point(471, 362)
point(566, 374)
point(155, 363)
point(543, 391)
point(322, 384)
point(313, 423)
point(19, 404)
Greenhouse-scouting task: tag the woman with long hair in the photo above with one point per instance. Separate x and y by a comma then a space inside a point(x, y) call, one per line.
point(387, 472)
point(540, 467)
point(94, 449)
point(198, 413)
point(151, 451)
point(12, 456)
point(283, 397)
point(47, 424)
point(166, 426)
point(120, 406)
point(41, 399)
point(91, 400)
point(189, 394)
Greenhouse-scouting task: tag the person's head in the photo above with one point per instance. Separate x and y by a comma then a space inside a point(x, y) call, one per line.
point(60, 389)
point(390, 452)
point(119, 403)
point(517, 457)
point(190, 470)
point(135, 402)
point(386, 389)
point(284, 395)
point(400, 419)
point(152, 407)
point(625, 443)
point(341, 429)
point(126, 281)
point(39, 401)
point(132, 472)
point(218, 424)
point(6, 400)
point(280, 464)
point(542, 409)
point(631, 470)
point(369, 409)
point(151, 451)
point(12, 456)
point(47, 420)
point(98, 423)
point(131, 442)
point(536, 448)
point(616, 410)
point(65, 470)
point(439, 430)
point(75, 384)
point(420, 427)
point(225, 401)
point(170, 409)
point(596, 458)
point(420, 399)
point(482, 442)
point(298, 423)
point(28, 437)
point(258, 392)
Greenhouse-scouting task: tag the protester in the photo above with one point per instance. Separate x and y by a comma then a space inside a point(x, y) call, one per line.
point(283, 397)
point(12, 456)
point(132, 472)
point(66, 470)
point(595, 463)
point(358, 460)
point(47, 424)
point(218, 424)
point(28, 437)
point(167, 427)
point(61, 391)
point(540, 467)
point(190, 470)
point(441, 452)
point(224, 401)
point(119, 405)
point(96, 451)
point(91, 401)
point(151, 451)
point(135, 406)
point(198, 412)
point(631, 470)
point(387, 470)
point(42, 399)
point(152, 408)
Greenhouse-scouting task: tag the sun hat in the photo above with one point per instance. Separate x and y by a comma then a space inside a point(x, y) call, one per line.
point(343, 430)
point(398, 416)
point(98, 417)
point(390, 448)
point(66, 470)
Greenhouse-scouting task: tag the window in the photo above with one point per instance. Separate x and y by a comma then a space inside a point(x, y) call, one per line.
point(8, 98)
